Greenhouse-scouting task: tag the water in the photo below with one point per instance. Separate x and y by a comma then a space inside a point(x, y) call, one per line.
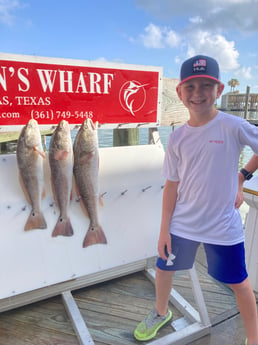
point(106, 140)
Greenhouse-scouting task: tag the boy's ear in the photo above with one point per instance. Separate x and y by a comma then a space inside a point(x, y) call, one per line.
point(220, 89)
point(178, 90)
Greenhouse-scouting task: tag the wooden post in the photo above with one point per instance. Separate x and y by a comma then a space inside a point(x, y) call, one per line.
point(125, 136)
point(246, 101)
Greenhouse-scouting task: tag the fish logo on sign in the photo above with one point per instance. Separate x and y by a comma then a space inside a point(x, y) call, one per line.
point(132, 96)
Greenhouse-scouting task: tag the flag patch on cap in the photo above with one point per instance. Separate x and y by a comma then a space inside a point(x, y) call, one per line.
point(200, 65)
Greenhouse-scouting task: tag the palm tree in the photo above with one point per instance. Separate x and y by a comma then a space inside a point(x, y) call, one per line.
point(233, 83)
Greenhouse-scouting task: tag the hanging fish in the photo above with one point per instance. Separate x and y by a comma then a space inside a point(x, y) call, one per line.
point(30, 159)
point(61, 166)
point(86, 166)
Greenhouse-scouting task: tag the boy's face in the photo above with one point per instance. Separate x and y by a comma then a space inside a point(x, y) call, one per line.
point(199, 94)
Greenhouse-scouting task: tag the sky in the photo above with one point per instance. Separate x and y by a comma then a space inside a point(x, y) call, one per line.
point(141, 32)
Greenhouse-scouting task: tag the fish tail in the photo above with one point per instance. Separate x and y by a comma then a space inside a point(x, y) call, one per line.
point(36, 220)
point(63, 228)
point(95, 234)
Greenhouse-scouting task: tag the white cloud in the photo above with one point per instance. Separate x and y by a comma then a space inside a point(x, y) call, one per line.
point(193, 42)
point(6, 9)
point(236, 14)
point(244, 72)
point(172, 38)
point(159, 37)
point(152, 37)
point(224, 51)
point(196, 20)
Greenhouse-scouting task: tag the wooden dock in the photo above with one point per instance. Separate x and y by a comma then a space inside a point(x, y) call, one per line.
point(111, 310)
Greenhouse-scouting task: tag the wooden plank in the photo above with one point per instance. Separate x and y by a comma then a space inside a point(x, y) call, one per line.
point(197, 291)
point(182, 337)
point(19, 333)
point(41, 323)
point(113, 309)
point(250, 191)
point(79, 326)
point(178, 301)
point(49, 314)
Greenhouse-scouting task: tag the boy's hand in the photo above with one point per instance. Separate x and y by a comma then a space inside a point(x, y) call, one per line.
point(164, 245)
point(239, 199)
point(240, 193)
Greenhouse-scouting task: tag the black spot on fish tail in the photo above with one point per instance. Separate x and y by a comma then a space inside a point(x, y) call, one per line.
point(63, 228)
point(95, 235)
point(36, 220)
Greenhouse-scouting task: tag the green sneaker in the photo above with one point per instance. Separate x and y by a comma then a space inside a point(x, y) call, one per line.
point(148, 328)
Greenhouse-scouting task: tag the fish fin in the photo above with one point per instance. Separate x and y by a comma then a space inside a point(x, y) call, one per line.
point(94, 235)
point(43, 195)
point(42, 154)
point(101, 202)
point(63, 228)
point(36, 220)
point(61, 155)
point(86, 157)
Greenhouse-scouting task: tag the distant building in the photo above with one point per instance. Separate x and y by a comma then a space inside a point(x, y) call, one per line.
point(236, 101)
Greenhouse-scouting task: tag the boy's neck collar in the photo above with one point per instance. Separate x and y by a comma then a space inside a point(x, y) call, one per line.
point(197, 120)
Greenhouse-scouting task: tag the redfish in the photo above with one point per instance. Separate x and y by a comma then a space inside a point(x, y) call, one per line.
point(86, 167)
point(61, 166)
point(30, 159)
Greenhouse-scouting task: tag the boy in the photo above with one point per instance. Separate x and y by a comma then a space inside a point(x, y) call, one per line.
point(201, 195)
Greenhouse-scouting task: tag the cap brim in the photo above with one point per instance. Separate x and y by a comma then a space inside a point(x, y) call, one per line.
point(199, 76)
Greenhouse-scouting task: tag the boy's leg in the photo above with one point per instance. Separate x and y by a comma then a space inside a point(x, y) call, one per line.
point(227, 264)
point(184, 252)
point(163, 284)
point(157, 318)
point(247, 306)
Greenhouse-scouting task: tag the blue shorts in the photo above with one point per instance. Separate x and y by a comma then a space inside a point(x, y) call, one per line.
point(225, 263)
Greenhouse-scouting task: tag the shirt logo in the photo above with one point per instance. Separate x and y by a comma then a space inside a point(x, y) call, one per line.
point(216, 141)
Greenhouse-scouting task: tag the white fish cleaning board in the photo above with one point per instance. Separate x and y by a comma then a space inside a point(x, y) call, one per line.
point(131, 183)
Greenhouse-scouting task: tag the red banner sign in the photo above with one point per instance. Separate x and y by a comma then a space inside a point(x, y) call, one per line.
point(49, 91)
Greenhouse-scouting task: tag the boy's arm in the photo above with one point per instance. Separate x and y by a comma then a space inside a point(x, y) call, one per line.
point(168, 206)
point(250, 167)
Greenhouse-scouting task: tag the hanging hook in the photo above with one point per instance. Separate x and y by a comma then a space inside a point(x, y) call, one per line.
point(144, 189)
